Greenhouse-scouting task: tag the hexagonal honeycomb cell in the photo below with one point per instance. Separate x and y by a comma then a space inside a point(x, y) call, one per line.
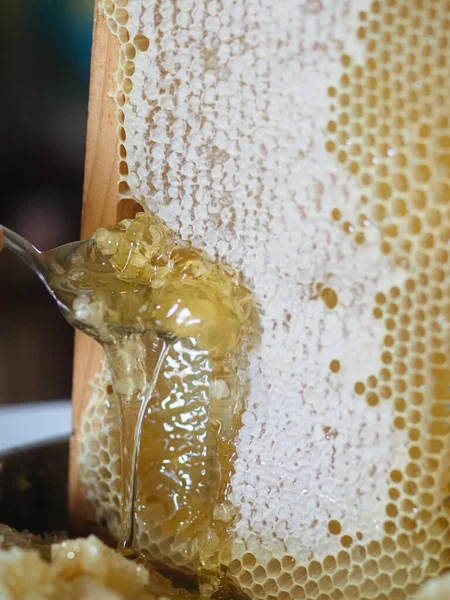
point(311, 150)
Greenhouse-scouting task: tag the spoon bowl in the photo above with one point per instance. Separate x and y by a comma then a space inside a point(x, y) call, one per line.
point(42, 263)
point(50, 264)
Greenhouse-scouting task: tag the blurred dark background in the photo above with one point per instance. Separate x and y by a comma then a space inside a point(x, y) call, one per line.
point(45, 50)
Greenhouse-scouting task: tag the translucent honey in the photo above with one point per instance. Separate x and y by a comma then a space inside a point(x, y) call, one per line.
point(172, 324)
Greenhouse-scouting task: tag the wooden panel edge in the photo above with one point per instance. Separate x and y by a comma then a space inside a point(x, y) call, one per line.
point(99, 209)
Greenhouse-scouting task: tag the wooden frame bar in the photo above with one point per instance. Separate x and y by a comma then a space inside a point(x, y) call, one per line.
point(99, 209)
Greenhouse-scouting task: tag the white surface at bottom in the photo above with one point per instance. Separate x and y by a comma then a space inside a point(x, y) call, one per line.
point(25, 424)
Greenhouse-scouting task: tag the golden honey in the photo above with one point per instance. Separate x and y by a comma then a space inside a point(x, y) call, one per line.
point(171, 323)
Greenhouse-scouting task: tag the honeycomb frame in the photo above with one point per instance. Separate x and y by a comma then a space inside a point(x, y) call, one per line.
point(402, 192)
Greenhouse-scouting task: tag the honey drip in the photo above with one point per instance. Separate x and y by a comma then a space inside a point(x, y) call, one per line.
point(172, 324)
point(131, 440)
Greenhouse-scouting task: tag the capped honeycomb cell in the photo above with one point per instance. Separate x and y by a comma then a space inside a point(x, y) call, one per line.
point(309, 148)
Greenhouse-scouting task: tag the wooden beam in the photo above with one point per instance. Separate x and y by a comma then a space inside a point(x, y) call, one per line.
point(99, 210)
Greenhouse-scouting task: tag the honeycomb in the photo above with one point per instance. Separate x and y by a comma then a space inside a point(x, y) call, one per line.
point(309, 148)
point(82, 569)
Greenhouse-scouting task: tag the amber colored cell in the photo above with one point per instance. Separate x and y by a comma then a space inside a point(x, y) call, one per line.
point(400, 385)
point(124, 188)
point(385, 392)
point(390, 324)
point(383, 191)
point(273, 567)
point(377, 313)
point(372, 381)
point(329, 566)
point(386, 357)
point(390, 230)
point(390, 528)
point(334, 527)
point(141, 42)
point(385, 374)
point(359, 387)
point(300, 574)
point(109, 7)
point(127, 85)
point(388, 341)
point(123, 35)
point(315, 569)
point(130, 51)
point(259, 574)
point(372, 399)
point(288, 563)
point(246, 578)
point(441, 192)
point(348, 227)
point(121, 16)
point(248, 560)
point(380, 298)
point(360, 237)
point(385, 247)
point(285, 581)
point(335, 366)
point(330, 297)
point(379, 212)
point(346, 541)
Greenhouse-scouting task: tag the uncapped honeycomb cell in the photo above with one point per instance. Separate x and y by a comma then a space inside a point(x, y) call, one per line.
point(310, 148)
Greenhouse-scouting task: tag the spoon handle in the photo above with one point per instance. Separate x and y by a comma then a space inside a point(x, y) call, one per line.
point(22, 248)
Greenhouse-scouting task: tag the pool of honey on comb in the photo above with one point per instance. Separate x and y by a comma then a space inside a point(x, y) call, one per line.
point(389, 129)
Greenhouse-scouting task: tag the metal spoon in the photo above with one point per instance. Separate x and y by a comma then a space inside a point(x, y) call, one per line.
point(42, 263)
point(45, 264)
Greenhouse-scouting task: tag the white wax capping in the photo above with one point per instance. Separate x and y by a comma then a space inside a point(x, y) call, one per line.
point(225, 142)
